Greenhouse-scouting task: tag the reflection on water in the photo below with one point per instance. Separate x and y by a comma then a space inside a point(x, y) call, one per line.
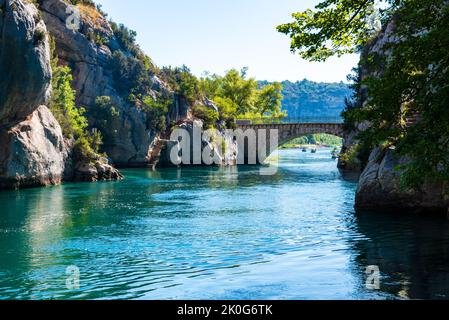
point(411, 252)
point(225, 233)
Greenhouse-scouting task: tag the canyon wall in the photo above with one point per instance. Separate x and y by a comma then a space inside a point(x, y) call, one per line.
point(33, 150)
point(380, 187)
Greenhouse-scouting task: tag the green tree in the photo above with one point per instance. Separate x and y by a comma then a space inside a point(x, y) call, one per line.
point(209, 85)
point(412, 87)
point(182, 81)
point(156, 110)
point(336, 27)
point(239, 96)
point(105, 113)
point(226, 106)
point(71, 118)
point(63, 106)
point(241, 91)
point(268, 100)
point(209, 116)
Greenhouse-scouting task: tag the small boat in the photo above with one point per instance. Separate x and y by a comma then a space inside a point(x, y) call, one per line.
point(304, 150)
point(313, 151)
point(335, 154)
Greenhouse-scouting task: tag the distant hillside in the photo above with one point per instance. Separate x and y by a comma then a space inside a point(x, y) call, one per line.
point(312, 99)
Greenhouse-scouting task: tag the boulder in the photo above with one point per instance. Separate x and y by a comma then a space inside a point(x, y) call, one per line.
point(380, 188)
point(92, 171)
point(33, 152)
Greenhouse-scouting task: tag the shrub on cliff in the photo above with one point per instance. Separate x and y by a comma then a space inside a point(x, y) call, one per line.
point(129, 74)
point(209, 116)
point(156, 110)
point(126, 38)
point(182, 81)
point(71, 118)
point(85, 2)
point(73, 122)
point(104, 114)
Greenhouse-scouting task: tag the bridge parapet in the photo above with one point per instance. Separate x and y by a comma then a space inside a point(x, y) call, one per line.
point(290, 131)
point(289, 120)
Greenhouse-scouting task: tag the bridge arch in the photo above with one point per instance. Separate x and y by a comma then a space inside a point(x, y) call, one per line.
point(290, 131)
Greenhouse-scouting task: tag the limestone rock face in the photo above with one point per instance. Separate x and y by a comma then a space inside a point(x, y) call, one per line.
point(380, 189)
point(130, 138)
point(32, 148)
point(24, 62)
point(33, 152)
point(214, 143)
point(379, 185)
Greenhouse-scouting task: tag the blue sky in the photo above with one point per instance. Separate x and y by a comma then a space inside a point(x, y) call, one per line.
point(215, 36)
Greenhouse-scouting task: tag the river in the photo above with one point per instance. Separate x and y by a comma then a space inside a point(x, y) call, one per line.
point(217, 233)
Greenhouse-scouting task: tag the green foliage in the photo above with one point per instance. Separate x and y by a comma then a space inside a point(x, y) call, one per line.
point(268, 100)
point(71, 118)
point(63, 104)
point(209, 116)
point(352, 104)
point(126, 38)
point(182, 81)
point(350, 158)
point(227, 107)
point(335, 27)
point(318, 139)
point(129, 74)
point(413, 83)
point(313, 99)
point(104, 104)
point(210, 84)
point(157, 112)
point(96, 38)
point(326, 139)
point(240, 90)
point(132, 69)
point(105, 113)
point(236, 96)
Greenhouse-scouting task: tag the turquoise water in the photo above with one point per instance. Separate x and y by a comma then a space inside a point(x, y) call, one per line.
point(217, 233)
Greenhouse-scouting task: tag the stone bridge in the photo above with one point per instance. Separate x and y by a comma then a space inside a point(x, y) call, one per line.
point(286, 132)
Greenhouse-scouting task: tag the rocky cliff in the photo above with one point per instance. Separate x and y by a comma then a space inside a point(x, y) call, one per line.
point(380, 185)
point(33, 150)
point(130, 138)
point(131, 141)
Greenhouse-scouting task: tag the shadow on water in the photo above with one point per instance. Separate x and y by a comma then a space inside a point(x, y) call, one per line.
point(411, 251)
